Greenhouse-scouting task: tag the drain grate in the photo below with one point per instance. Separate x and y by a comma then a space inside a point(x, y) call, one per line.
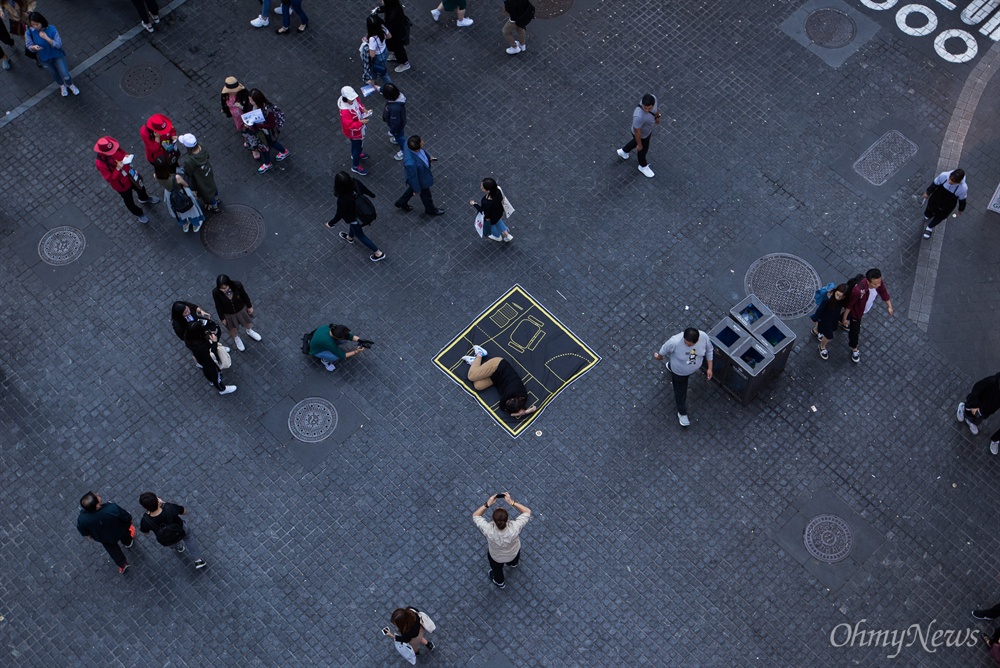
point(885, 157)
point(234, 232)
point(830, 28)
point(312, 420)
point(785, 283)
point(547, 9)
point(62, 245)
point(141, 80)
point(828, 538)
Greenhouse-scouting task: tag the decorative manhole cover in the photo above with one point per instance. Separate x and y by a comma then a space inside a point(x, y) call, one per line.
point(141, 80)
point(312, 420)
point(235, 231)
point(830, 28)
point(785, 283)
point(547, 9)
point(885, 157)
point(828, 538)
point(62, 245)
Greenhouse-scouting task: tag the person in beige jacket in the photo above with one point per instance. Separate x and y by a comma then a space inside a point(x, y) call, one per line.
point(503, 536)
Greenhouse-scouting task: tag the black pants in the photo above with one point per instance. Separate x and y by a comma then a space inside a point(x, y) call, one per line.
point(116, 551)
point(425, 197)
point(395, 44)
point(130, 202)
point(680, 384)
point(854, 333)
point(146, 9)
point(214, 376)
point(628, 148)
point(497, 568)
point(977, 420)
point(935, 217)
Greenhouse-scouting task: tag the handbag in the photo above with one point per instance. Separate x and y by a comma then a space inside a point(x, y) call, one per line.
point(406, 651)
point(508, 210)
point(480, 218)
point(427, 622)
point(222, 359)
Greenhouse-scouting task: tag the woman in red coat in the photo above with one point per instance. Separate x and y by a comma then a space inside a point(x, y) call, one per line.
point(118, 170)
point(160, 140)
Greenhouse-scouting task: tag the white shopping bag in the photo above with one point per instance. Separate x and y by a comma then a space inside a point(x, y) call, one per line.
point(479, 223)
point(406, 652)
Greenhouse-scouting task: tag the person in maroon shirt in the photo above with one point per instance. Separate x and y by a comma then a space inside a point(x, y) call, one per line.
point(122, 176)
point(859, 302)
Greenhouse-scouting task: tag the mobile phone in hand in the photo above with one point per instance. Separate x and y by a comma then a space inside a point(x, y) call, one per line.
point(385, 630)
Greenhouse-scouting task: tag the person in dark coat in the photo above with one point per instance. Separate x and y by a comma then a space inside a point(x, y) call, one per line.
point(519, 14)
point(399, 27)
point(499, 372)
point(982, 402)
point(419, 179)
point(202, 339)
point(394, 115)
point(108, 524)
point(347, 189)
point(945, 191)
point(235, 309)
point(828, 316)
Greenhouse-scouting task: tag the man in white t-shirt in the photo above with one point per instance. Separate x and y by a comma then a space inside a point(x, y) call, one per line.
point(684, 353)
point(503, 536)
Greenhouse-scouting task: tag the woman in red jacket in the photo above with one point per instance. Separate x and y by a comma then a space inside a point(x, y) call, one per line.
point(353, 118)
point(118, 170)
point(160, 140)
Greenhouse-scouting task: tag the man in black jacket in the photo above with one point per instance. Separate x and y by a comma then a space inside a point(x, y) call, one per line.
point(108, 524)
point(519, 14)
point(982, 402)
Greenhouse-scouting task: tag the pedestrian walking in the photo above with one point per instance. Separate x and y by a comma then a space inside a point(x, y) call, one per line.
point(181, 201)
point(235, 309)
point(993, 645)
point(325, 344)
point(519, 14)
point(160, 141)
point(377, 51)
point(17, 12)
point(419, 178)
point(355, 211)
point(197, 166)
point(164, 520)
point(982, 402)
point(945, 191)
point(353, 119)
point(264, 18)
point(118, 170)
point(286, 17)
point(499, 373)
point(394, 115)
point(149, 13)
point(492, 208)
point(5, 38)
point(644, 119)
point(411, 624)
point(503, 536)
point(828, 315)
point(457, 6)
point(684, 354)
point(108, 524)
point(44, 40)
point(267, 130)
point(859, 302)
point(202, 339)
point(399, 30)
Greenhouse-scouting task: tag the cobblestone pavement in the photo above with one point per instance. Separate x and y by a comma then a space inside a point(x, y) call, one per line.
point(651, 545)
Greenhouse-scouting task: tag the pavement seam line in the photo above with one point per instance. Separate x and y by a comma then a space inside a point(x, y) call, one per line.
point(929, 258)
point(125, 38)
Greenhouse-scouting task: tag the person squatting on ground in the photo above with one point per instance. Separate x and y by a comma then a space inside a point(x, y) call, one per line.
point(457, 6)
point(108, 524)
point(502, 536)
point(197, 166)
point(500, 373)
point(493, 210)
point(353, 119)
point(859, 302)
point(519, 14)
point(234, 308)
point(684, 353)
point(120, 173)
point(44, 41)
point(410, 626)
point(419, 178)
point(945, 191)
point(982, 402)
point(644, 119)
point(828, 315)
point(394, 115)
point(325, 344)
point(164, 520)
point(181, 201)
point(348, 191)
point(399, 29)
point(202, 339)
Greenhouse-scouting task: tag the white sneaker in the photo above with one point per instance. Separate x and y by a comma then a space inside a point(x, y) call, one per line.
point(253, 335)
point(148, 27)
point(623, 155)
point(436, 14)
point(330, 366)
point(464, 23)
point(646, 171)
point(994, 447)
point(509, 237)
point(469, 359)
point(277, 10)
point(229, 389)
point(973, 428)
point(683, 419)
point(64, 91)
point(494, 237)
point(143, 218)
point(479, 350)
point(73, 89)
point(402, 68)
point(512, 50)
point(260, 22)
point(399, 155)
point(960, 415)
point(239, 344)
point(392, 139)
point(524, 47)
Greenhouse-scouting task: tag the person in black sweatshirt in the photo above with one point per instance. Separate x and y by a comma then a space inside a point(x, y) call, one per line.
point(982, 402)
point(108, 524)
point(235, 309)
point(491, 206)
point(202, 340)
point(348, 189)
point(498, 372)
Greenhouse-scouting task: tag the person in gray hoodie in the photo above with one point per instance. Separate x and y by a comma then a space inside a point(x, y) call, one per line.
point(198, 168)
point(394, 116)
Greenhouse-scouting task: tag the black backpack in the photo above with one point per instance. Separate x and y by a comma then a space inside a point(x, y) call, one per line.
point(364, 210)
point(852, 282)
point(306, 342)
point(168, 534)
point(179, 200)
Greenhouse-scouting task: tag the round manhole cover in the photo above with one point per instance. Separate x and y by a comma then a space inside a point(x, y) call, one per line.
point(235, 231)
point(62, 245)
point(830, 28)
point(141, 80)
point(312, 420)
point(547, 9)
point(785, 283)
point(828, 538)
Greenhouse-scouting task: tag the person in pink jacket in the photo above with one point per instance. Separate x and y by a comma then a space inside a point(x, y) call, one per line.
point(353, 119)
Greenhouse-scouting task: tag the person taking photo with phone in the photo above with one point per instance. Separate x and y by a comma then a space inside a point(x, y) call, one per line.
point(502, 535)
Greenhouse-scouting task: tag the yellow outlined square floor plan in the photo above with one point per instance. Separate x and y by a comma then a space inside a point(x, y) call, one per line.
point(546, 354)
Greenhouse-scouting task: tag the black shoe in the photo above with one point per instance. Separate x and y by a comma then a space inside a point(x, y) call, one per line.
point(499, 584)
point(979, 614)
point(429, 645)
point(343, 235)
point(404, 207)
point(436, 212)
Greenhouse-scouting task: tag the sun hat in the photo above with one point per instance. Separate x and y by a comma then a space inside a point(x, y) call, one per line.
point(106, 145)
point(232, 85)
point(188, 140)
point(160, 124)
point(349, 93)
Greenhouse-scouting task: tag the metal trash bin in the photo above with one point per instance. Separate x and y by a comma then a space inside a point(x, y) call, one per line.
point(740, 362)
point(751, 313)
point(779, 340)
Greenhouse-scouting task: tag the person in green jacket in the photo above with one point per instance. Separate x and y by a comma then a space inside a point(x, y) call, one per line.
point(325, 344)
point(197, 167)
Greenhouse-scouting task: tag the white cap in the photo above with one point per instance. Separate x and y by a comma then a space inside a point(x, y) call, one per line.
point(188, 140)
point(349, 93)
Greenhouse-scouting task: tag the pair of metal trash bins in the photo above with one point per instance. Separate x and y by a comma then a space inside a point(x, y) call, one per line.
point(751, 347)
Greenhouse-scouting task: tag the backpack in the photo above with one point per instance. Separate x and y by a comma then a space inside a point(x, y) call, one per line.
point(852, 282)
point(179, 200)
point(820, 296)
point(168, 534)
point(279, 117)
point(364, 210)
point(306, 342)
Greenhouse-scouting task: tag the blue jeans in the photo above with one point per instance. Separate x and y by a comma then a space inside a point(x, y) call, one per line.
point(286, 13)
point(378, 68)
point(265, 9)
point(59, 70)
point(358, 232)
point(400, 139)
point(265, 153)
point(500, 226)
point(191, 545)
point(327, 356)
point(357, 146)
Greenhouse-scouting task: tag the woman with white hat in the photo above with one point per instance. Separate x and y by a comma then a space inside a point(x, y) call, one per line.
point(353, 119)
point(198, 168)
